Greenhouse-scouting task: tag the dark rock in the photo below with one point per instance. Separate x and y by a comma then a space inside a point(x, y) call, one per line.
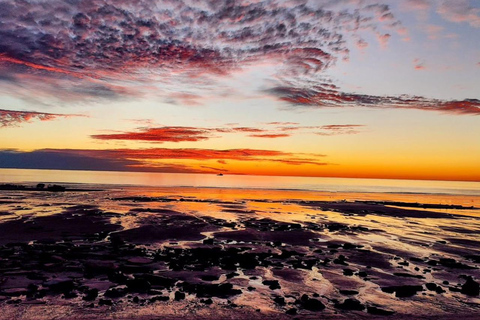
point(117, 292)
point(14, 301)
point(415, 259)
point(348, 292)
point(451, 263)
point(280, 301)
point(138, 285)
point(403, 291)
point(70, 295)
point(179, 295)
point(347, 272)
point(207, 301)
point(208, 241)
point(291, 311)
point(232, 275)
point(349, 246)
point(431, 286)
point(340, 260)
point(209, 277)
point(471, 287)
point(474, 258)
point(105, 302)
point(159, 298)
point(350, 304)
point(272, 284)
point(313, 305)
point(379, 312)
point(439, 290)
point(60, 285)
point(91, 294)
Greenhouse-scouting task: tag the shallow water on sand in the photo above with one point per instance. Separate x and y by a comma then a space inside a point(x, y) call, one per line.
point(357, 254)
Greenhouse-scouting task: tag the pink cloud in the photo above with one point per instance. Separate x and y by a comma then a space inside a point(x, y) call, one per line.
point(162, 134)
point(416, 5)
point(11, 118)
point(383, 39)
point(320, 97)
point(419, 65)
point(433, 31)
point(270, 135)
point(460, 11)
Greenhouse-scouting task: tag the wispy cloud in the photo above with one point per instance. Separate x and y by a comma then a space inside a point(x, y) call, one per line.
point(322, 96)
point(337, 129)
point(12, 118)
point(270, 135)
point(419, 65)
point(192, 134)
point(163, 134)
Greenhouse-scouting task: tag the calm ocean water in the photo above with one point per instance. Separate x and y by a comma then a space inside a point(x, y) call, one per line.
point(27, 176)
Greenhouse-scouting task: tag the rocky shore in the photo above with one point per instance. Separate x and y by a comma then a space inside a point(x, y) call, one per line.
point(150, 258)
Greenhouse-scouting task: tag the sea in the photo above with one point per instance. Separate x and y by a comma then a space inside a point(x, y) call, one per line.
point(186, 180)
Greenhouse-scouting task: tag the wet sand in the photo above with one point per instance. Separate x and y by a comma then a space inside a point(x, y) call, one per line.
point(168, 253)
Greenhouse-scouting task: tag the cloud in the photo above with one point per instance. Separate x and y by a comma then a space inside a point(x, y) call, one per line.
point(433, 31)
point(182, 51)
point(193, 134)
point(95, 49)
point(153, 159)
point(337, 129)
point(271, 135)
point(46, 159)
point(182, 153)
point(419, 65)
point(418, 6)
point(383, 39)
point(361, 44)
point(459, 11)
point(285, 123)
point(162, 134)
point(328, 96)
point(12, 118)
point(247, 129)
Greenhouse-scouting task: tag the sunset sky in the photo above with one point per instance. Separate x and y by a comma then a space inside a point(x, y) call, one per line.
point(348, 88)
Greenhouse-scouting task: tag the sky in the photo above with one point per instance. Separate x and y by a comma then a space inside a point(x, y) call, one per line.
point(322, 88)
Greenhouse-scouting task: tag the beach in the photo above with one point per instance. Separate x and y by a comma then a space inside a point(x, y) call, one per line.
point(172, 252)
